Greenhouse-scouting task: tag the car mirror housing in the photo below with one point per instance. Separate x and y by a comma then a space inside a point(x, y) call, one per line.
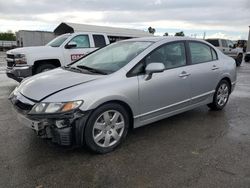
point(71, 45)
point(155, 67)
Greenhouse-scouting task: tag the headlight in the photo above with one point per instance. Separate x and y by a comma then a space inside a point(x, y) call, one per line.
point(20, 59)
point(57, 107)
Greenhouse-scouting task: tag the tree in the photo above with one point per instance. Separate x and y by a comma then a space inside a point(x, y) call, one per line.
point(151, 30)
point(181, 34)
point(165, 34)
point(7, 36)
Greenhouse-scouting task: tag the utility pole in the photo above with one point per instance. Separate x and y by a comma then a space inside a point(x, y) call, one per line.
point(248, 42)
point(204, 35)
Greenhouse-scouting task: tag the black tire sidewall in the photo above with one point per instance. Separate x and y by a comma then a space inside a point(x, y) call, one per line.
point(239, 59)
point(89, 141)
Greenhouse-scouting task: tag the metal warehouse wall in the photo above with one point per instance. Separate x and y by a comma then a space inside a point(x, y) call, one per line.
point(33, 38)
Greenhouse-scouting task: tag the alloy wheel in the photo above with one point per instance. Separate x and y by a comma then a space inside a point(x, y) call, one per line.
point(108, 128)
point(222, 94)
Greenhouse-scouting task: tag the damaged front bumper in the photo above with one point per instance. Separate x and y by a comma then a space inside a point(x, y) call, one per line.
point(19, 73)
point(64, 129)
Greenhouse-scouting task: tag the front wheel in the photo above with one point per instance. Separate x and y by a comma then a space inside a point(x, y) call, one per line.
point(221, 96)
point(106, 128)
point(44, 67)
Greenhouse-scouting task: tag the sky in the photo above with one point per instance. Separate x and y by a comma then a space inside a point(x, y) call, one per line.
point(216, 18)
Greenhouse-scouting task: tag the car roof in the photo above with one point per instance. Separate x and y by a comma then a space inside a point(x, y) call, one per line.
point(166, 39)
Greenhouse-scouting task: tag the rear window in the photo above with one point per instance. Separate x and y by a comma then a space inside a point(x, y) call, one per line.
point(213, 42)
point(99, 41)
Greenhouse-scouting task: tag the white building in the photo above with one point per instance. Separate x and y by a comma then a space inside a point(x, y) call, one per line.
point(26, 38)
point(114, 33)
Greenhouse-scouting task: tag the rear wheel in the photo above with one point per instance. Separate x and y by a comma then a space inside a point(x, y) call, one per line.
point(44, 67)
point(239, 59)
point(221, 96)
point(107, 128)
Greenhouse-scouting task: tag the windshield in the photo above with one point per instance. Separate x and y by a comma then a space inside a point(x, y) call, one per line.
point(58, 41)
point(113, 57)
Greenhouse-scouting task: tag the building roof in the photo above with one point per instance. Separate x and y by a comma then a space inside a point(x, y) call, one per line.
point(66, 27)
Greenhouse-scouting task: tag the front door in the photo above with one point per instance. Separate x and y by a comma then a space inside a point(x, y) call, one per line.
point(82, 48)
point(167, 91)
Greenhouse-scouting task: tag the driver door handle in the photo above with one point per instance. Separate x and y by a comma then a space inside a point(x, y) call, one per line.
point(215, 67)
point(184, 74)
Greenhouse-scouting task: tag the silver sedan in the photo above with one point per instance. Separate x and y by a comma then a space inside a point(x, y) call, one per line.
point(128, 84)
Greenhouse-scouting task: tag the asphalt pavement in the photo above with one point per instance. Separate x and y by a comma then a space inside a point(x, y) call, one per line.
point(199, 148)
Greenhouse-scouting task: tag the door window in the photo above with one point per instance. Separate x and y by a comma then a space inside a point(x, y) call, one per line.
point(213, 42)
point(99, 41)
point(224, 43)
point(200, 52)
point(82, 41)
point(230, 43)
point(171, 55)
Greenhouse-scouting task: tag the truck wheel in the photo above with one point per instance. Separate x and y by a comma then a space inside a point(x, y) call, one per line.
point(239, 60)
point(106, 128)
point(44, 68)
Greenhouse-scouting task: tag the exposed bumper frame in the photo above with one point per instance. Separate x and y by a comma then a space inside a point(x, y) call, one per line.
point(19, 73)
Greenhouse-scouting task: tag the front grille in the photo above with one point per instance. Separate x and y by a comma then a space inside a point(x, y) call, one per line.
point(23, 106)
point(11, 56)
point(10, 64)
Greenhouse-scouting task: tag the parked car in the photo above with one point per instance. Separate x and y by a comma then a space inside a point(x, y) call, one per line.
point(228, 48)
point(128, 84)
point(28, 61)
point(247, 57)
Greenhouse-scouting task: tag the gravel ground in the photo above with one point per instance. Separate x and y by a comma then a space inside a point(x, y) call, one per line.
point(199, 148)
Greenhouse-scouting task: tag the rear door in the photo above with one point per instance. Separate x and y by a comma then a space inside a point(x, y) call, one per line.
point(204, 69)
point(83, 47)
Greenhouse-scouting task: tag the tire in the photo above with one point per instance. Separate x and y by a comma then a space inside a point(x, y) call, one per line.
point(44, 67)
point(103, 133)
point(238, 60)
point(221, 96)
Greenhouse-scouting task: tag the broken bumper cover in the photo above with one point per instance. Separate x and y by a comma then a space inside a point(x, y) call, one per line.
point(62, 128)
point(59, 130)
point(19, 73)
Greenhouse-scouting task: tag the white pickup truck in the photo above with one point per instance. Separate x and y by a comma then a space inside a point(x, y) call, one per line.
point(27, 61)
point(228, 48)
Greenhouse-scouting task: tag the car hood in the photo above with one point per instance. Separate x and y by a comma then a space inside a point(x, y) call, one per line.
point(45, 84)
point(31, 50)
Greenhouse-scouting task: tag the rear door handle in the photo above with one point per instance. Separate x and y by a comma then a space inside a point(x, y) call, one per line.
point(215, 67)
point(184, 74)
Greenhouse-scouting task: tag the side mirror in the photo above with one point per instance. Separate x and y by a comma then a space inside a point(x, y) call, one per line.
point(71, 45)
point(232, 46)
point(153, 68)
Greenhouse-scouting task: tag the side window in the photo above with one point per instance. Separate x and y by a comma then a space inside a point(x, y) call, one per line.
point(224, 43)
point(214, 54)
point(171, 55)
point(99, 41)
point(200, 52)
point(82, 41)
point(230, 43)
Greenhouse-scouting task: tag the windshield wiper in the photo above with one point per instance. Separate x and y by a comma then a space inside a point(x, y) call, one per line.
point(72, 68)
point(92, 69)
